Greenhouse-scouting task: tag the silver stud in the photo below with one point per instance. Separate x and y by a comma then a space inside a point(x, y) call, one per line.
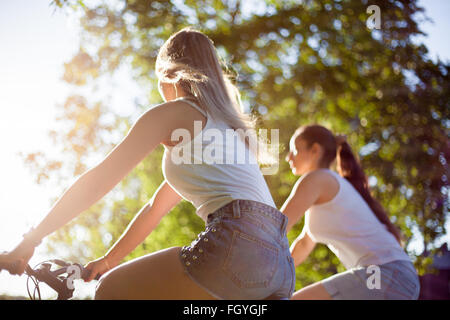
point(200, 250)
point(213, 230)
point(194, 257)
point(183, 255)
point(206, 239)
point(188, 263)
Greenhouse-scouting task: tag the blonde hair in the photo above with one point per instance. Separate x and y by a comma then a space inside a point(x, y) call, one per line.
point(189, 59)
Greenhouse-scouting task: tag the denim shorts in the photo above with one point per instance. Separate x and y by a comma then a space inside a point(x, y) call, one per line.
point(242, 254)
point(396, 280)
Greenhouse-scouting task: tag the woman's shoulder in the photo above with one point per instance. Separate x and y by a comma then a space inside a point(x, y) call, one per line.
point(319, 177)
point(324, 181)
point(181, 114)
point(176, 113)
point(177, 105)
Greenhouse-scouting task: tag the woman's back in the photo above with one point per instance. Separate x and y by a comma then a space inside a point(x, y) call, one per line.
point(214, 168)
point(351, 230)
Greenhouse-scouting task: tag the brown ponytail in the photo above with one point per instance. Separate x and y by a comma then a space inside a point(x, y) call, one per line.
point(349, 168)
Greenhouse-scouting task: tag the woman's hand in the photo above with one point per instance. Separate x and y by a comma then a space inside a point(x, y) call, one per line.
point(18, 258)
point(97, 267)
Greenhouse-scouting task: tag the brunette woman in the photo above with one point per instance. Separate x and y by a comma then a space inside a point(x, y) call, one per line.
point(341, 213)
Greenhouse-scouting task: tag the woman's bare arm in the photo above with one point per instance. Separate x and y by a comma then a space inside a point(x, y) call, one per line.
point(302, 247)
point(153, 127)
point(315, 188)
point(164, 199)
point(304, 194)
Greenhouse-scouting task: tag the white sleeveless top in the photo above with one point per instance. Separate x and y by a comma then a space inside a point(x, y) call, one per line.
point(348, 226)
point(209, 170)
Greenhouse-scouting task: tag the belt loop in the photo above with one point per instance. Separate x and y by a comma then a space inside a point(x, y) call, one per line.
point(284, 225)
point(236, 210)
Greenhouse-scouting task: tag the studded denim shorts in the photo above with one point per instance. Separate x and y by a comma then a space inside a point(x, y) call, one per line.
point(242, 254)
point(396, 280)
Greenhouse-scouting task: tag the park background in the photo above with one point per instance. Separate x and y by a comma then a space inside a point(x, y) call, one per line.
point(74, 75)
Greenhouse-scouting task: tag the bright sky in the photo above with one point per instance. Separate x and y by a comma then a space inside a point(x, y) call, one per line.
point(437, 31)
point(35, 43)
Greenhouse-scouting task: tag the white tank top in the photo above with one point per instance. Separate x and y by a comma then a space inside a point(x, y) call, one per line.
point(209, 179)
point(348, 226)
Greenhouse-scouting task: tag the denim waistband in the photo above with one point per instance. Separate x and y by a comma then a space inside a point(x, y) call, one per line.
point(237, 207)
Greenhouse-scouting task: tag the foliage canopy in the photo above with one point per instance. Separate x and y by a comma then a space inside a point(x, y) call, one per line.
point(297, 62)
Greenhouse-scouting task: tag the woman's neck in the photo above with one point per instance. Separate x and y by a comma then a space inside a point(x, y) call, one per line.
point(314, 168)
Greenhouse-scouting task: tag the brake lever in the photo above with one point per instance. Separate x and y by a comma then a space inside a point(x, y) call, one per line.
point(60, 263)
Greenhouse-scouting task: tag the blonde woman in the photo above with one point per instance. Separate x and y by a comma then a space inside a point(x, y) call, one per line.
point(243, 252)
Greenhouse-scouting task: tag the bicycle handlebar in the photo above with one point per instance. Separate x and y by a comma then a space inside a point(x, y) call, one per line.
point(62, 285)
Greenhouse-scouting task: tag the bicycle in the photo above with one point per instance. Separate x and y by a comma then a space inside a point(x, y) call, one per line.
point(60, 280)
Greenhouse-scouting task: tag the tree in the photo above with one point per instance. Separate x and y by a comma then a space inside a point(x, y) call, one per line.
point(297, 63)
